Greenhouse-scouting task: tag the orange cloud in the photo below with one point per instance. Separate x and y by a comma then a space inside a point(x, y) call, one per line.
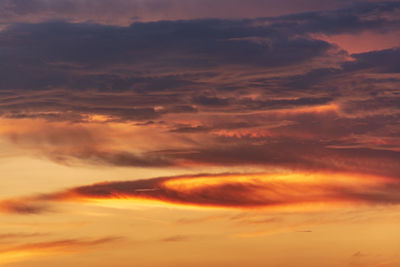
point(242, 191)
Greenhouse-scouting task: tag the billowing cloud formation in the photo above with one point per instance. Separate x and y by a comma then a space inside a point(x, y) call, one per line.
point(239, 191)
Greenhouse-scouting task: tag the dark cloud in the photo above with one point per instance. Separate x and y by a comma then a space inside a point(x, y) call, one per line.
point(381, 16)
point(120, 158)
point(297, 155)
point(196, 43)
point(384, 61)
point(126, 71)
point(190, 129)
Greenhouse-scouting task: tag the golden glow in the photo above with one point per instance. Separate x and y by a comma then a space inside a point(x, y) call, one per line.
point(292, 178)
point(15, 256)
point(98, 118)
point(332, 107)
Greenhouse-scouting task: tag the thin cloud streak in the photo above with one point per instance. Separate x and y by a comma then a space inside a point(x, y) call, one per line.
point(30, 250)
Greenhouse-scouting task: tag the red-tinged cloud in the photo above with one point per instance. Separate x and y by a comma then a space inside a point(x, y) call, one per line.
point(242, 191)
point(248, 191)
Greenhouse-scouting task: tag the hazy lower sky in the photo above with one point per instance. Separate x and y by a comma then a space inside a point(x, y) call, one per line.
point(197, 133)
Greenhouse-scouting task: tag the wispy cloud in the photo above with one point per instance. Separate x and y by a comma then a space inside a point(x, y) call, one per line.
point(29, 250)
point(175, 238)
point(22, 206)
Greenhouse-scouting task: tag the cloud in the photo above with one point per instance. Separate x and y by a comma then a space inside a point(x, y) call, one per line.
point(241, 191)
point(294, 155)
point(378, 16)
point(146, 69)
point(22, 206)
point(318, 138)
point(27, 250)
point(383, 61)
point(175, 238)
point(155, 69)
point(159, 68)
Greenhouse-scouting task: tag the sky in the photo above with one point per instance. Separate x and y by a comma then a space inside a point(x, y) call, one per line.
point(199, 133)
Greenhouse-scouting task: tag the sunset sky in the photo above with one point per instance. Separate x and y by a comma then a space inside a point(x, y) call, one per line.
point(220, 133)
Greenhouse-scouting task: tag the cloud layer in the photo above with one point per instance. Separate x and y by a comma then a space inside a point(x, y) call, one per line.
point(272, 92)
point(119, 12)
